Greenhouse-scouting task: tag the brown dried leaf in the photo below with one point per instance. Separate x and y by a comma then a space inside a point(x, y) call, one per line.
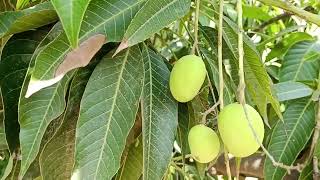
point(81, 56)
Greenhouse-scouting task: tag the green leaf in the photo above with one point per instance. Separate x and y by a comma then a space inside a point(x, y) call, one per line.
point(110, 19)
point(71, 13)
point(291, 90)
point(36, 113)
point(57, 158)
point(8, 168)
point(286, 43)
point(159, 116)
point(133, 162)
point(108, 110)
point(3, 141)
point(255, 12)
point(13, 22)
point(14, 64)
point(153, 16)
point(290, 136)
point(257, 80)
point(295, 67)
point(307, 172)
point(184, 124)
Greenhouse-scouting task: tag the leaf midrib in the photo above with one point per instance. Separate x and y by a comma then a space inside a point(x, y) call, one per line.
point(111, 112)
point(291, 134)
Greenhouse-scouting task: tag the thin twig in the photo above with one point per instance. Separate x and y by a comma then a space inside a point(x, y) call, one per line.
point(221, 81)
point(207, 112)
point(196, 28)
point(315, 168)
point(293, 9)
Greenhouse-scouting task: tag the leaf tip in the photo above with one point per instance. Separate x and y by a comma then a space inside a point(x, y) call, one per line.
point(122, 46)
point(36, 85)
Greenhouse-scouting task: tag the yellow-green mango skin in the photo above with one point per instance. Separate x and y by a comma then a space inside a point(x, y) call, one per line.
point(187, 77)
point(204, 143)
point(235, 131)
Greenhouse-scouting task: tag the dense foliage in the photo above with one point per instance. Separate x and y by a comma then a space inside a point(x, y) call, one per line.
point(85, 87)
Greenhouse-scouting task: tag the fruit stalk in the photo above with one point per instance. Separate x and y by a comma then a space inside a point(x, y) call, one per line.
point(196, 27)
point(221, 81)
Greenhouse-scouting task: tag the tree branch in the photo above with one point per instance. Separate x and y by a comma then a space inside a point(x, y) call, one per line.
point(294, 10)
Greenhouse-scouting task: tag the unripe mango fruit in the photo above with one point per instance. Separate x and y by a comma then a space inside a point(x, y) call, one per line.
point(187, 77)
point(204, 143)
point(235, 131)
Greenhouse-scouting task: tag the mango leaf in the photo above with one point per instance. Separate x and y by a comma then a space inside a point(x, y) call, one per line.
point(153, 16)
point(307, 172)
point(108, 110)
point(184, 124)
point(290, 136)
point(133, 162)
point(14, 64)
point(280, 49)
point(71, 14)
point(36, 113)
point(3, 141)
point(13, 22)
point(255, 12)
point(291, 90)
point(257, 80)
point(295, 67)
point(57, 158)
point(159, 116)
point(110, 19)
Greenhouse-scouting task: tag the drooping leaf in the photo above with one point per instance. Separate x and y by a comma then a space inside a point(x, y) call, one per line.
point(153, 16)
point(159, 116)
point(110, 19)
point(57, 158)
point(290, 136)
point(108, 110)
point(14, 64)
point(133, 162)
point(71, 13)
point(35, 114)
point(291, 90)
point(8, 168)
point(296, 67)
point(13, 22)
point(257, 80)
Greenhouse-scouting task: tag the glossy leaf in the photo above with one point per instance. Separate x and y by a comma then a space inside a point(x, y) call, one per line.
point(15, 60)
point(290, 136)
point(291, 90)
point(110, 19)
point(297, 65)
point(153, 16)
point(23, 3)
point(159, 116)
point(307, 172)
point(18, 21)
point(57, 158)
point(71, 13)
point(257, 80)
point(108, 110)
point(132, 163)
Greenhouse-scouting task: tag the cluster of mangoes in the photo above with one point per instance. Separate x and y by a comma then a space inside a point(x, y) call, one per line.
point(186, 80)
